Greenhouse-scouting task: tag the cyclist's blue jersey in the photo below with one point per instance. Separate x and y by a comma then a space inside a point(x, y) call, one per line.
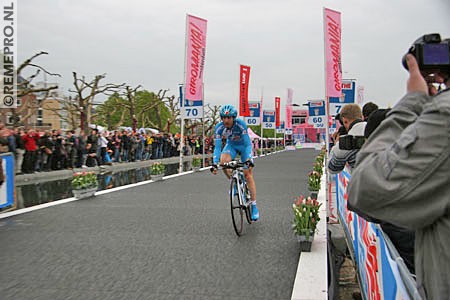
point(237, 139)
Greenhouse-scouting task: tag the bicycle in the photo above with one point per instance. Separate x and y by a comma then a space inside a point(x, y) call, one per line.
point(239, 196)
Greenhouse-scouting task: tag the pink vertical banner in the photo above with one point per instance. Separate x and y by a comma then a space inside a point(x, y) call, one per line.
point(290, 93)
point(195, 57)
point(333, 67)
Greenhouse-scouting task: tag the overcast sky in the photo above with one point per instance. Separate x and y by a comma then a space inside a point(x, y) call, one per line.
point(142, 42)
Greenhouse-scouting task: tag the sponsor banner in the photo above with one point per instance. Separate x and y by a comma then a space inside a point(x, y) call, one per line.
point(298, 138)
point(290, 93)
point(244, 78)
point(7, 188)
point(268, 119)
point(347, 96)
point(280, 129)
point(195, 62)
point(255, 114)
point(333, 66)
point(316, 111)
point(8, 61)
point(277, 111)
point(379, 270)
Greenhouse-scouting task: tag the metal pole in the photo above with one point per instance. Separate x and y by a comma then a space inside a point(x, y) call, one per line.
point(180, 167)
point(327, 144)
point(180, 170)
point(203, 126)
point(261, 119)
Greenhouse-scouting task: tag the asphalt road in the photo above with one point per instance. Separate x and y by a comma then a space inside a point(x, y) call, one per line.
point(166, 240)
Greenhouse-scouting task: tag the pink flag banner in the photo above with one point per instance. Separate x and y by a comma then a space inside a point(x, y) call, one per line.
point(195, 57)
point(333, 67)
point(290, 93)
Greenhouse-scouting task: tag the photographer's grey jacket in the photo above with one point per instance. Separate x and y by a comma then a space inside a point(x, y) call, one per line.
point(402, 176)
point(339, 157)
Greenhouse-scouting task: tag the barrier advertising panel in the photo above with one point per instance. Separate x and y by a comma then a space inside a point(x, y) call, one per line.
point(378, 263)
point(7, 188)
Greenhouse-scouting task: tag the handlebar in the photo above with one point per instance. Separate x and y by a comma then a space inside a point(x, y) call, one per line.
point(233, 165)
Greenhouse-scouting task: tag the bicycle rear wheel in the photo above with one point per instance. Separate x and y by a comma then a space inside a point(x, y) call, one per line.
point(237, 213)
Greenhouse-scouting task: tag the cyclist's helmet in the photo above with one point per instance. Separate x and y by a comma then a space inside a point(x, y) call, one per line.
point(228, 111)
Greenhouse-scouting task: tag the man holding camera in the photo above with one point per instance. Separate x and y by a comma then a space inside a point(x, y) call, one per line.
point(347, 146)
point(402, 174)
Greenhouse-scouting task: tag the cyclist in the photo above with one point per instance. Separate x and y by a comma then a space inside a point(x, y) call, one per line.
point(236, 134)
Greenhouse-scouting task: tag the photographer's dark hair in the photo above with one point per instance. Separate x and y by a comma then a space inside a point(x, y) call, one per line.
point(368, 108)
point(375, 120)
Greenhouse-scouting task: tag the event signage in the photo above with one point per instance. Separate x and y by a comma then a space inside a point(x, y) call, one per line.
point(195, 62)
point(290, 93)
point(280, 129)
point(255, 114)
point(7, 187)
point(347, 97)
point(277, 111)
point(268, 119)
point(244, 78)
point(316, 111)
point(378, 267)
point(333, 66)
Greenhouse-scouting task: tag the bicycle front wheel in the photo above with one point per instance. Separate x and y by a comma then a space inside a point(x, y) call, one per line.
point(237, 212)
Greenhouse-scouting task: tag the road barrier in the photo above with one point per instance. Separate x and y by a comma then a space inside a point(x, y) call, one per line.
point(382, 272)
point(7, 188)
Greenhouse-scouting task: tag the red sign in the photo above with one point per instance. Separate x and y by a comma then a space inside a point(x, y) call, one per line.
point(277, 111)
point(244, 109)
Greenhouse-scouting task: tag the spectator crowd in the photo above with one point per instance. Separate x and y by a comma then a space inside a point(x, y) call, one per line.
point(56, 150)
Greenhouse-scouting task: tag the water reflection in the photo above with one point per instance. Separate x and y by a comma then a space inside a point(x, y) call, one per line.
point(39, 193)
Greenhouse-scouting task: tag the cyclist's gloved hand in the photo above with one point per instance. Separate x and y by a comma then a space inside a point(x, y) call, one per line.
point(249, 163)
point(214, 169)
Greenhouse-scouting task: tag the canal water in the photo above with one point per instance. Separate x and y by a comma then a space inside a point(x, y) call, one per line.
point(44, 192)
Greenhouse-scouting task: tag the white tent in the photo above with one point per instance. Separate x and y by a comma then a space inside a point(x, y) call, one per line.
point(252, 135)
point(98, 127)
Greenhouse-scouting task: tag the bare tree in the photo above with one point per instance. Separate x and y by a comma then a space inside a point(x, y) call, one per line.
point(25, 88)
point(212, 117)
point(172, 104)
point(155, 104)
point(130, 104)
point(85, 94)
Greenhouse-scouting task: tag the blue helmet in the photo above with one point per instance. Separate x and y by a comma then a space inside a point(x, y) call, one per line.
point(228, 111)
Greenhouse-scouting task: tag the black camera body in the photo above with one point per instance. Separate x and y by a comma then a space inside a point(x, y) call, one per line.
point(432, 54)
point(351, 142)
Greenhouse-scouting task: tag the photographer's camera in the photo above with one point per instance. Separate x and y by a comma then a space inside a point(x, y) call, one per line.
point(432, 54)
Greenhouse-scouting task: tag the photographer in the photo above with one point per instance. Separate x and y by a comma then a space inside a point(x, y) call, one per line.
point(347, 146)
point(402, 174)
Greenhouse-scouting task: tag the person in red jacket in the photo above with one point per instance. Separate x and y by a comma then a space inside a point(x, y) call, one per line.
point(30, 142)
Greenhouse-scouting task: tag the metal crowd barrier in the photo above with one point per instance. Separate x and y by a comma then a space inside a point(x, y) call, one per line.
point(382, 273)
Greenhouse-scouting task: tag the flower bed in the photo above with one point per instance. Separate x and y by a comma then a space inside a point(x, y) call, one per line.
point(158, 169)
point(196, 162)
point(84, 180)
point(306, 216)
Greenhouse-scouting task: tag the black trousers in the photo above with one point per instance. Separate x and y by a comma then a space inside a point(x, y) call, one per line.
point(29, 161)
